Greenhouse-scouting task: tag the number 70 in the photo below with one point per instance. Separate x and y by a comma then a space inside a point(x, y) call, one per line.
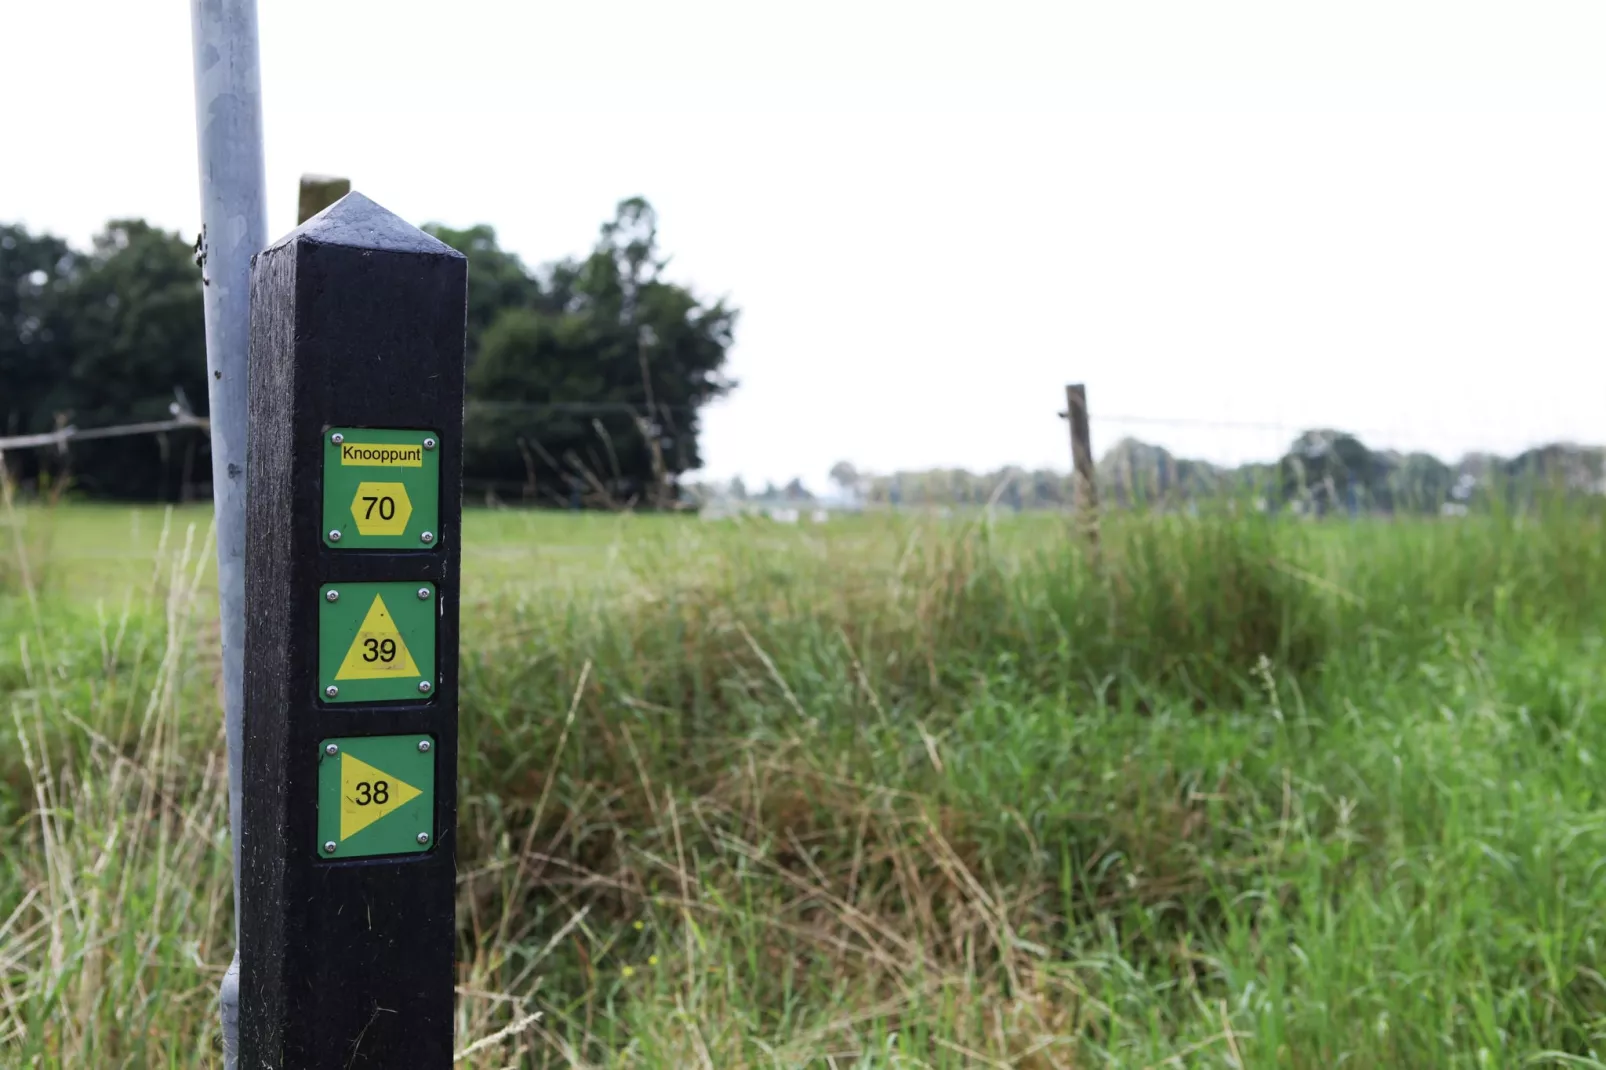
point(386, 505)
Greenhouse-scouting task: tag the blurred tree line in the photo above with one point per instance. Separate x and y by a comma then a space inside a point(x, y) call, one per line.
point(585, 376)
point(1323, 472)
point(111, 335)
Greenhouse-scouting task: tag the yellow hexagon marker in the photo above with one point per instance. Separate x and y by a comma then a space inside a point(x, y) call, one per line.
point(381, 508)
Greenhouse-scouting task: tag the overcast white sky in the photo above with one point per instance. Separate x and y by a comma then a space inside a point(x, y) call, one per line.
point(1386, 216)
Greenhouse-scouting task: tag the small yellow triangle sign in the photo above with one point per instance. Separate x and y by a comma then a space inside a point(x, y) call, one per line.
point(378, 652)
point(368, 794)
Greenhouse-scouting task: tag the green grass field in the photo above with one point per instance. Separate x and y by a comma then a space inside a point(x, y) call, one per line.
point(1235, 792)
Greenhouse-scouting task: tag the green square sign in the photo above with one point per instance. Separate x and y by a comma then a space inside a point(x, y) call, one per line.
point(376, 642)
point(381, 489)
point(376, 796)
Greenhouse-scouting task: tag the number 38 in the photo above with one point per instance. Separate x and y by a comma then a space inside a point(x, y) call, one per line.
point(376, 793)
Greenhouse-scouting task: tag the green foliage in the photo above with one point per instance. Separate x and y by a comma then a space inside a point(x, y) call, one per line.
point(33, 272)
point(1559, 466)
point(136, 335)
point(1419, 482)
point(594, 385)
point(497, 279)
point(1236, 792)
point(585, 378)
point(111, 336)
point(1329, 470)
point(1322, 472)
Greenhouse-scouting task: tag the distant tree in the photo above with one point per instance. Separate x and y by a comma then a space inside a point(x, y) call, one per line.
point(738, 489)
point(1012, 492)
point(846, 478)
point(497, 279)
point(1048, 489)
point(602, 375)
point(1261, 480)
point(1331, 470)
point(122, 329)
point(586, 378)
point(1558, 466)
point(796, 492)
point(1323, 470)
point(1420, 482)
point(34, 269)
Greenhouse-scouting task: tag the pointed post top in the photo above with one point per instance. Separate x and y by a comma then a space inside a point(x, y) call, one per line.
point(356, 222)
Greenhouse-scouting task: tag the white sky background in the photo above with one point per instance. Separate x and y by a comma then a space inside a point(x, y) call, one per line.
point(1384, 216)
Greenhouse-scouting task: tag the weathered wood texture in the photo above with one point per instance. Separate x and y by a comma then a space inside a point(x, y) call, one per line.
point(317, 193)
point(1084, 478)
point(357, 320)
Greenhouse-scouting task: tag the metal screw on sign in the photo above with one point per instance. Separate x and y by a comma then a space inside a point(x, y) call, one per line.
point(334, 536)
point(429, 443)
point(423, 746)
point(423, 837)
point(428, 536)
point(330, 847)
point(332, 749)
point(337, 438)
point(423, 686)
point(331, 691)
point(332, 596)
point(423, 594)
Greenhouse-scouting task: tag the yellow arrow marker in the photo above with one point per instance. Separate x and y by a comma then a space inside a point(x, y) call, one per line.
point(378, 652)
point(368, 794)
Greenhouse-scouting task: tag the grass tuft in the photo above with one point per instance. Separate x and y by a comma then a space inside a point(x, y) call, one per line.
point(1237, 791)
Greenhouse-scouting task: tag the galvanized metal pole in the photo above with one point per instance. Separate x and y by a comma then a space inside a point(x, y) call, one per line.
point(234, 227)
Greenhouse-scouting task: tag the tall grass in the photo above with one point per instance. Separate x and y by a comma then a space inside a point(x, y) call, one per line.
point(1235, 792)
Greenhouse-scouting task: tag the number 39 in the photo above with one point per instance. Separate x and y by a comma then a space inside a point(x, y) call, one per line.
point(380, 650)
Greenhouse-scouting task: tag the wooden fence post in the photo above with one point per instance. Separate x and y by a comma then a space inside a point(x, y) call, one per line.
point(1083, 479)
point(317, 193)
point(348, 880)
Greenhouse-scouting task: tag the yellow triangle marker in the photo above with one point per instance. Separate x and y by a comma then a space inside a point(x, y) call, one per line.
point(378, 652)
point(368, 794)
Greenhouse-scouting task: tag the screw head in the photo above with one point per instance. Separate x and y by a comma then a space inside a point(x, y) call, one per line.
point(331, 749)
point(331, 596)
point(426, 536)
point(423, 687)
point(429, 443)
point(334, 535)
point(423, 837)
point(329, 847)
point(423, 746)
point(331, 691)
point(423, 594)
point(337, 438)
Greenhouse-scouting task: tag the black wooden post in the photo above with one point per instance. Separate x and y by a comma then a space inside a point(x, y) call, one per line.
point(347, 927)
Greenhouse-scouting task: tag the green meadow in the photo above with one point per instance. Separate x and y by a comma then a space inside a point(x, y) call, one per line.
point(1227, 791)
